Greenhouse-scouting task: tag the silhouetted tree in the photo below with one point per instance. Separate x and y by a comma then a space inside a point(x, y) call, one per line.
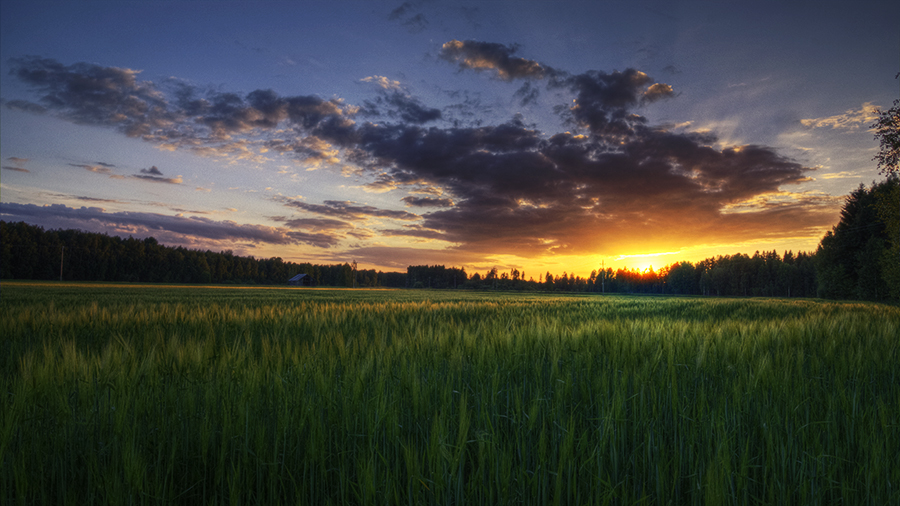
point(852, 259)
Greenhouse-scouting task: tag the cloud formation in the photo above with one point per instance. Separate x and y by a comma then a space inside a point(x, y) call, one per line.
point(493, 57)
point(171, 229)
point(398, 105)
point(154, 175)
point(852, 119)
point(348, 211)
point(608, 183)
point(16, 164)
point(426, 202)
point(382, 82)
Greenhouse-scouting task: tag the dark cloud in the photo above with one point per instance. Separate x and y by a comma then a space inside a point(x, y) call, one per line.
point(94, 199)
point(16, 169)
point(158, 179)
point(527, 94)
point(18, 161)
point(95, 95)
point(168, 229)
point(174, 115)
point(612, 181)
point(426, 202)
point(401, 106)
point(349, 211)
point(494, 57)
point(154, 175)
point(603, 102)
point(517, 191)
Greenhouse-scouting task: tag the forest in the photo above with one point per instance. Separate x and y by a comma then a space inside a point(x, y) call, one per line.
point(30, 252)
point(858, 259)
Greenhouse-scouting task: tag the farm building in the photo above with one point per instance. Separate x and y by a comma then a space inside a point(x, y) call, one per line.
point(300, 280)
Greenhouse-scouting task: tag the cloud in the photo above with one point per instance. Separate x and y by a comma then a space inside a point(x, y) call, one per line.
point(426, 202)
point(168, 229)
point(517, 191)
point(95, 199)
point(314, 224)
point(311, 150)
point(99, 169)
point(16, 164)
point(348, 211)
point(174, 115)
point(603, 102)
point(839, 175)
point(852, 119)
point(607, 181)
point(414, 231)
point(157, 179)
point(94, 95)
point(404, 107)
point(494, 57)
point(154, 175)
point(382, 82)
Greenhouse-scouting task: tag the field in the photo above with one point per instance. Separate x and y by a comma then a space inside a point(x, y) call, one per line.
point(203, 395)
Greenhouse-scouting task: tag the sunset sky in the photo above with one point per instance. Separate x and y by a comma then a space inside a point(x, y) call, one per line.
point(542, 136)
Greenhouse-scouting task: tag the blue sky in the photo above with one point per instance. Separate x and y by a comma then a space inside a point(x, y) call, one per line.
point(530, 135)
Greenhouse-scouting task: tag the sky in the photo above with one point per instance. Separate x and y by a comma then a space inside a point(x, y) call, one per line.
point(541, 136)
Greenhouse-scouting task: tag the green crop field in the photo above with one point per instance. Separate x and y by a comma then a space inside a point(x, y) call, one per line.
point(119, 394)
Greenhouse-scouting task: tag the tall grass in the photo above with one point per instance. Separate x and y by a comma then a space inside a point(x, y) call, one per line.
point(142, 395)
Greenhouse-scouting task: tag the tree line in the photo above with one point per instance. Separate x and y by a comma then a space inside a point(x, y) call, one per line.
point(30, 252)
point(857, 259)
point(763, 274)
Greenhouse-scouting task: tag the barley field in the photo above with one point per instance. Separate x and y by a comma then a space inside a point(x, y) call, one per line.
point(129, 394)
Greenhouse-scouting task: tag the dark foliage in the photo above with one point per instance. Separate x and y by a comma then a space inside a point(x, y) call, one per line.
point(854, 259)
point(436, 276)
point(764, 274)
point(30, 252)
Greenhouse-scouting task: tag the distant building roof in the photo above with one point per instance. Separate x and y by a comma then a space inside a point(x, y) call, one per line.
point(298, 277)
